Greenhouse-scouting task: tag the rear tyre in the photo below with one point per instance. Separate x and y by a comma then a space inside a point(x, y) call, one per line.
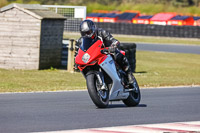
point(134, 96)
point(99, 97)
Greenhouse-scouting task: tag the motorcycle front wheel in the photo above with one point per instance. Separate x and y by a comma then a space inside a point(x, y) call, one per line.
point(99, 97)
point(134, 96)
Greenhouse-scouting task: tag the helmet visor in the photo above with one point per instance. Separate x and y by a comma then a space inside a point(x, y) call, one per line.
point(87, 33)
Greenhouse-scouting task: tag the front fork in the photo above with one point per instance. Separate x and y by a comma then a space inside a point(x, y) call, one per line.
point(100, 78)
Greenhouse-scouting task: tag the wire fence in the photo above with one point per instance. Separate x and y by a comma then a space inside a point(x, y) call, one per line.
point(74, 15)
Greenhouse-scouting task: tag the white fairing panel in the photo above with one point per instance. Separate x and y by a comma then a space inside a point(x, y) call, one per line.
point(117, 90)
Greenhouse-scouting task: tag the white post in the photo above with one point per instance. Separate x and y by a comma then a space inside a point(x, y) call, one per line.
point(71, 53)
point(56, 9)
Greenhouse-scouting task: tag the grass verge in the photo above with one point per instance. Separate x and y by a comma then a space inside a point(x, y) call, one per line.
point(39, 80)
point(153, 69)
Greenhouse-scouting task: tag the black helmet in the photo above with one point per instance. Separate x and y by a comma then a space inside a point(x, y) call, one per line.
point(87, 28)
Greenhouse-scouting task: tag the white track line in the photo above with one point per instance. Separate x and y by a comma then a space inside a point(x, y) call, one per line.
point(177, 127)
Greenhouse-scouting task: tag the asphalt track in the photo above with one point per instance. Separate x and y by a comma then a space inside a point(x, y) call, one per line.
point(191, 49)
point(55, 111)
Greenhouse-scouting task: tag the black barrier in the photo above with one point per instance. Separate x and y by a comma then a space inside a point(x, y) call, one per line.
point(151, 30)
point(140, 29)
point(130, 49)
point(64, 54)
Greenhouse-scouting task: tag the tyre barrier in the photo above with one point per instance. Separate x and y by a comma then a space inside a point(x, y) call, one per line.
point(72, 25)
point(151, 30)
point(64, 54)
point(130, 50)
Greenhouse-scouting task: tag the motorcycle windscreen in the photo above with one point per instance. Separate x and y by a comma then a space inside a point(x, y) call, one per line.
point(87, 43)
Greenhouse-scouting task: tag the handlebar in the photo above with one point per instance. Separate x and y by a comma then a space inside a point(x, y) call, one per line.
point(104, 51)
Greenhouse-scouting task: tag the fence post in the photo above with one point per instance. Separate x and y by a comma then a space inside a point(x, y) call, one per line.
point(71, 52)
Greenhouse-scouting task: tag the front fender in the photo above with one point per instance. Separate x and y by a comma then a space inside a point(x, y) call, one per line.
point(91, 72)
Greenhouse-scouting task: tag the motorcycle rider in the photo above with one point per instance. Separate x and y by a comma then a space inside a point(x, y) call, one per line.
point(89, 29)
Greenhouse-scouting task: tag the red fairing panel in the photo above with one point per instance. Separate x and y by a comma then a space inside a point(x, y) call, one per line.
point(95, 55)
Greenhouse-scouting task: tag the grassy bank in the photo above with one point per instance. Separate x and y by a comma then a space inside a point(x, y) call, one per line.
point(153, 69)
point(149, 7)
point(145, 8)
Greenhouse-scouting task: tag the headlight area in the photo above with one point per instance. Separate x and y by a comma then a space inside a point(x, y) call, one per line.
point(85, 57)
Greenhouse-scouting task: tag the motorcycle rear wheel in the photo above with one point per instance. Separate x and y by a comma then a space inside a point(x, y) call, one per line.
point(99, 97)
point(134, 96)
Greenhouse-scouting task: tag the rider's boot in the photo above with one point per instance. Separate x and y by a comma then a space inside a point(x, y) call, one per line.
point(128, 71)
point(124, 64)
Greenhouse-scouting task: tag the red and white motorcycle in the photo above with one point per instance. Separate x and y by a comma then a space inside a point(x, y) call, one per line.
point(106, 81)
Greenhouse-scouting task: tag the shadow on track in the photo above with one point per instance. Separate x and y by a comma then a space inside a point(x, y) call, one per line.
point(141, 72)
point(124, 106)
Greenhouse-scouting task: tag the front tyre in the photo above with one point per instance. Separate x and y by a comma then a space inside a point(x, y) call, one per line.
point(134, 96)
point(99, 97)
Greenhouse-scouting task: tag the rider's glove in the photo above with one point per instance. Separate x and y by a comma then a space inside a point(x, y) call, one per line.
point(113, 46)
point(112, 49)
point(115, 43)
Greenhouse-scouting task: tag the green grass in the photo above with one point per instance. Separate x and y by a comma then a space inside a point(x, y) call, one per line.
point(167, 69)
point(159, 40)
point(153, 69)
point(144, 39)
point(144, 8)
point(39, 80)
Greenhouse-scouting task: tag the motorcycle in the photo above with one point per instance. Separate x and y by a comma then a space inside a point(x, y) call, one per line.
point(105, 80)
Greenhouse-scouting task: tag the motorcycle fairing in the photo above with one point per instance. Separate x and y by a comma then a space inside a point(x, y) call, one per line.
point(95, 53)
point(117, 89)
